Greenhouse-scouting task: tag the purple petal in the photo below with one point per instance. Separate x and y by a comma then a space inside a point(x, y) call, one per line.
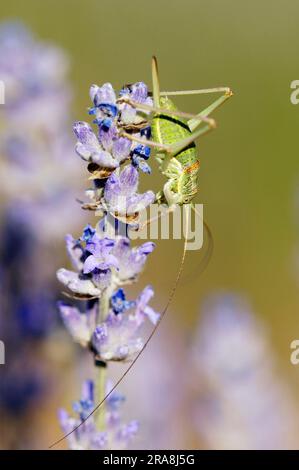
point(121, 149)
point(105, 159)
point(139, 202)
point(147, 248)
point(116, 340)
point(88, 144)
point(83, 151)
point(112, 189)
point(103, 94)
point(97, 246)
point(102, 279)
point(75, 322)
point(107, 137)
point(67, 423)
point(139, 92)
point(152, 315)
point(84, 132)
point(100, 336)
point(87, 393)
point(143, 310)
point(75, 251)
point(90, 264)
point(128, 114)
point(75, 284)
point(128, 432)
point(99, 441)
point(145, 297)
point(109, 261)
point(129, 180)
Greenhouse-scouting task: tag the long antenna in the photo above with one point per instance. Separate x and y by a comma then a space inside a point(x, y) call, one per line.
point(173, 290)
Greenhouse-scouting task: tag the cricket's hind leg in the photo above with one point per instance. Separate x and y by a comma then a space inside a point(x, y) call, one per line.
point(194, 122)
point(159, 110)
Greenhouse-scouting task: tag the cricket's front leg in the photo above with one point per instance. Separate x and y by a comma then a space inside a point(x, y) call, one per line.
point(150, 143)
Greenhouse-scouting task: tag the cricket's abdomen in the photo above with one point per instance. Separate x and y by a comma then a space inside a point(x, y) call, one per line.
point(169, 130)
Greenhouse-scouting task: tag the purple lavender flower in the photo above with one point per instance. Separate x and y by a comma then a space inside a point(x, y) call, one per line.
point(88, 233)
point(118, 338)
point(75, 251)
point(130, 260)
point(111, 327)
point(101, 256)
point(102, 262)
point(137, 92)
point(116, 436)
point(104, 100)
point(129, 115)
point(81, 285)
point(118, 302)
point(242, 403)
point(80, 326)
point(108, 150)
point(94, 261)
point(121, 195)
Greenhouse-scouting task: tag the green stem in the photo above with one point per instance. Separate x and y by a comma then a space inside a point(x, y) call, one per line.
point(100, 385)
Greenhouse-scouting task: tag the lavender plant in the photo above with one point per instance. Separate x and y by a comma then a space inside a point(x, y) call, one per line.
point(34, 147)
point(107, 324)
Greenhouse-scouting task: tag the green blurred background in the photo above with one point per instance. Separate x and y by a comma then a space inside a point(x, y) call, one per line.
point(249, 166)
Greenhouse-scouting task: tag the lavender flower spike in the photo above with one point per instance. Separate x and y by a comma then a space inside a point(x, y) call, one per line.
point(116, 436)
point(110, 326)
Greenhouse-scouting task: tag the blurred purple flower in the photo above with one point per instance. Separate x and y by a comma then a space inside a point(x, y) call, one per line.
point(242, 403)
point(116, 436)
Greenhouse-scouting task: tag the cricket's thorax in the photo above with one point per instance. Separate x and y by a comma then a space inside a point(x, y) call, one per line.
point(182, 170)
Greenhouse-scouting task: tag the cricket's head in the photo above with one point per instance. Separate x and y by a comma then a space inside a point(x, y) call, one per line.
point(167, 103)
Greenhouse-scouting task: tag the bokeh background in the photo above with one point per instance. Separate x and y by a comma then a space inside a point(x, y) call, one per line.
point(249, 185)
